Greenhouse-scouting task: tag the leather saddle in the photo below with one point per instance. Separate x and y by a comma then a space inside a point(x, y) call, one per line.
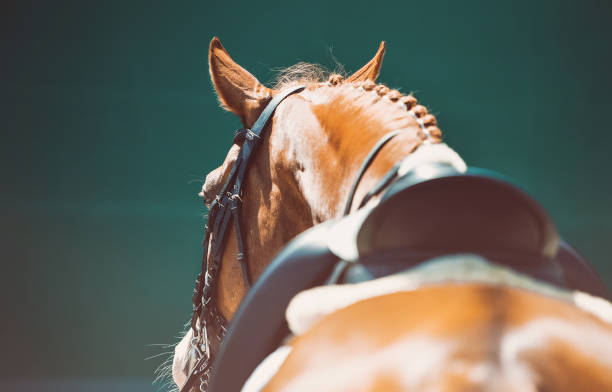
point(431, 211)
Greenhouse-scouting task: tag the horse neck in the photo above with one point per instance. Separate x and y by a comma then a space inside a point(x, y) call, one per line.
point(349, 123)
point(302, 175)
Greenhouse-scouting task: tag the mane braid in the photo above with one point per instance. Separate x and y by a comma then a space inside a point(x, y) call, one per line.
point(315, 74)
point(426, 120)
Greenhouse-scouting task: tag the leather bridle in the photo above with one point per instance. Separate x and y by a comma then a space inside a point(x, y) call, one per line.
point(208, 324)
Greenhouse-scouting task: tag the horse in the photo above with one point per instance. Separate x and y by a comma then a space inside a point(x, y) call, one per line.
point(309, 169)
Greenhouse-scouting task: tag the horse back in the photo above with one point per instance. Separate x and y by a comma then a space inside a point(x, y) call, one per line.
point(452, 337)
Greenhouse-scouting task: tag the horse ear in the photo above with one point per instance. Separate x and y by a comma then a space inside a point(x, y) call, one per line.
point(238, 90)
point(371, 70)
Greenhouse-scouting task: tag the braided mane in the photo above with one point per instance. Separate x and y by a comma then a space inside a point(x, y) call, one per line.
point(314, 76)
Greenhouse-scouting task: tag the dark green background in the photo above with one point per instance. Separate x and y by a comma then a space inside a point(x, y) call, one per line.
point(108, 115)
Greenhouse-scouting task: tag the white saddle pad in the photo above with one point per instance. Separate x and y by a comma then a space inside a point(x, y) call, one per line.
point(309, 306)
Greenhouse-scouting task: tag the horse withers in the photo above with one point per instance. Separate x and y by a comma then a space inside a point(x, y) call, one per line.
point(309, 160)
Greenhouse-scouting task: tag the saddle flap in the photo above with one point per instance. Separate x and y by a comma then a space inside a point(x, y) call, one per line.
point(446, 211)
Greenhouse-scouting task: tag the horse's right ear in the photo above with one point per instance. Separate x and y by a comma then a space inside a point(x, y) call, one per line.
point(238, 90)
point(371, 70)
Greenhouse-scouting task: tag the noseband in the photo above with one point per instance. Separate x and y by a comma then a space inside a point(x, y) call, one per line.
point(208, 324)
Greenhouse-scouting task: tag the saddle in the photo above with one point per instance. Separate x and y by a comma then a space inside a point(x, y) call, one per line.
point(431, 211)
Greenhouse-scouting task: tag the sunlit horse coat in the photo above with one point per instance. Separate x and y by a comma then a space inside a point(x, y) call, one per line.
point(489, 335)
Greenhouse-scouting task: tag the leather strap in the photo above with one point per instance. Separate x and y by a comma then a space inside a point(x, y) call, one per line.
point(386, 180)
point(223, 209)
point(364, 166)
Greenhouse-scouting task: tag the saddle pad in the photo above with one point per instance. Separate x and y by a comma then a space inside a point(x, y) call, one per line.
point(309, 306)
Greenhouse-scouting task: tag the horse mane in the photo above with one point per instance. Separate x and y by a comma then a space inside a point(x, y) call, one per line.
point(301, 73)
point(315, 75)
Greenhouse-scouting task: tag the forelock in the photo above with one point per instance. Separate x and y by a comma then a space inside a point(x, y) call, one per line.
point(302, 73)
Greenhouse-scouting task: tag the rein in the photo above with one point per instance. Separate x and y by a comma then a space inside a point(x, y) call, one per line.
point(364, 166)
point(387, 178)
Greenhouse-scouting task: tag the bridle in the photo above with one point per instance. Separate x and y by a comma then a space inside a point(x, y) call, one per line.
point(208, 324)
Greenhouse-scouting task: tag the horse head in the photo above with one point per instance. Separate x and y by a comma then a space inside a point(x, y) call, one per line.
point(307, 159)
point(317, 138)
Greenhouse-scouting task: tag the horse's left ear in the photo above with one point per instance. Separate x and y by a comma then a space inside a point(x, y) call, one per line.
point(371, 70)
point(238, 90)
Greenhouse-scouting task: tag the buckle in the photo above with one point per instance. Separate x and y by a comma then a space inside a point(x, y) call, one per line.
point(250, 135)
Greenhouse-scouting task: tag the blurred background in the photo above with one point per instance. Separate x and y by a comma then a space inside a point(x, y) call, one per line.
point(109, 124)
